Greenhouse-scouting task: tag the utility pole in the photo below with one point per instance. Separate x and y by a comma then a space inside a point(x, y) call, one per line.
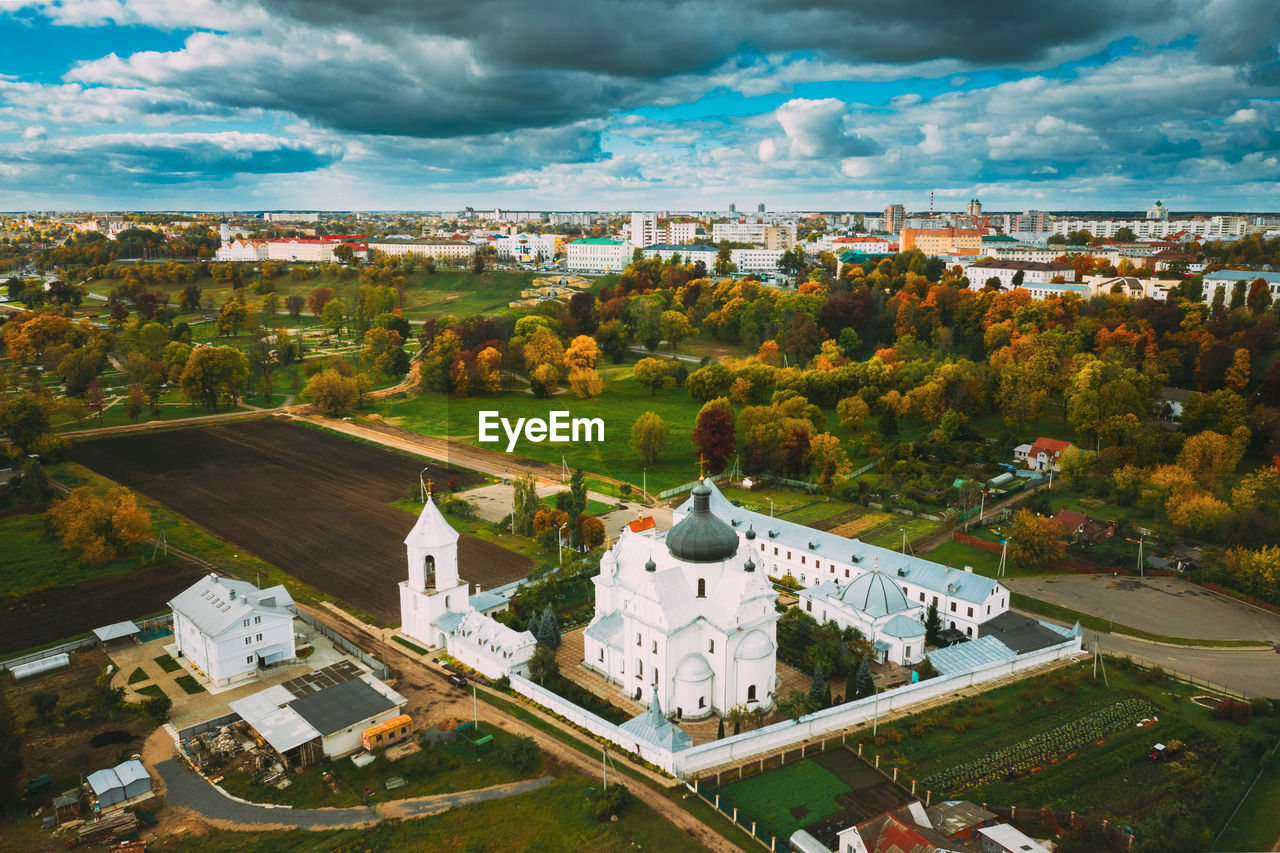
point(1004, 556)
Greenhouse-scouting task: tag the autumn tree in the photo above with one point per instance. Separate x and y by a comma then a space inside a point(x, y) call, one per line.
point(649, 437)
point(332, 392)
point(652, 373)
point(1209, 456)
point(1035, 541)
point(100, 528)
point(1238, 373)
point(318, 299)
point(591, 531)
point(675, 328)
point(214, 375)
point(852, 411)
point(829, 460)
point(333, 315)
point(715, 436)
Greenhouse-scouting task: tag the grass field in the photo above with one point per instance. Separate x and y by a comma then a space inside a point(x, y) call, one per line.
point(1254, 825)
point(138, 675)
point(623, 401)
point(1111, 778)
point(554, 818)
point(30, 559)
point(168, 664)
point(786, 799)
point(189, 684)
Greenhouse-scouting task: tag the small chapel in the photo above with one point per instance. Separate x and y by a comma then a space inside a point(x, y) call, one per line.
point(685, 620)
point(436, 609)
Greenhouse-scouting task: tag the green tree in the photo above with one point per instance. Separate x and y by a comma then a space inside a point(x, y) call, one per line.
point(543, 666)
point(549, 628)
point(333, 315)
point(576, 505)
point(214, 375)
point(25, 419)
point(932, 624)
point(864, 684)
point(525, 504)
point(652, 373)
point(332, 392)
point(675, 328)
point(817, 689)
point(649, 437)
point(794, 705)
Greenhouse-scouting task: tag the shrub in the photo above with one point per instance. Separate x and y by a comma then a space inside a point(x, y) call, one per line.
point(520, 754)
point(917, 730)
point(893, 736)
point(960, 726)
point(1240, 713)
point(503, 683)
point(158, 707)
point(610, 801)
point(880, 740)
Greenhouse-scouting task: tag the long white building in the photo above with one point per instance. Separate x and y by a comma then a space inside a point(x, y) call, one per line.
point(448, 251)
point(1226, 227)
point(526, 248)
point(1225, 280)
point(756, 260)
point(965, 600)
point(598, 254)
point(1033, 273)
point(242, 251)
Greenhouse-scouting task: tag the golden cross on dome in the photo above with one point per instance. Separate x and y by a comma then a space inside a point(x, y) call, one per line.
point(429, 487)
point(702, 461)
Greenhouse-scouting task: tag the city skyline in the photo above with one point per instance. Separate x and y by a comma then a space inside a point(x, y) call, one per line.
point(136, 104)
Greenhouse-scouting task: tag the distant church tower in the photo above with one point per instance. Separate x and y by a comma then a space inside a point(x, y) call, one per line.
point(433, 588)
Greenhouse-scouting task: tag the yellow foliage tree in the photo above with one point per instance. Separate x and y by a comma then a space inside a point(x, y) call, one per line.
point(488, 369)
point(1210, 456)
point(1238, 373)
point(829, 460)
point(1196, 514)
point(100, 528)
point(543, 348)
point(1035, 541)
point(852, 411)
point(585, 382)
point(582, 354)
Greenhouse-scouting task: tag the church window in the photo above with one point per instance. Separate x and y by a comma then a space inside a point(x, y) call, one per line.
point(788, 555)
point(711, 646)
point(802, 559)
point(969, 631)
point(655, 647)
point(808, 605)
point(655, 675)
point(1002, 602)
point(638, 639)
point(429, 564)
point(702, 702)
point(762, 547)
point(846, 573)
point(906, 653)
point(953, 624)
point(446, 602)
point(775, 550)
point(602, 654)
point(922, 596)
point(970, 612)
point(702, 587)
point(953, 607)
point(935, 599)
point(988, 609)
point(905, 591)
point(640, 666)
point(751, 693)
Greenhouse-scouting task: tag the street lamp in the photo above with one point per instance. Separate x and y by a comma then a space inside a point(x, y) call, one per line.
point(422, 484)
point(903, 531)
point(560, 544)
point(770, 500)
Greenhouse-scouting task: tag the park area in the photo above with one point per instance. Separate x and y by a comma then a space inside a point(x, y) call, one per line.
point(314, 504)
point(820, 794)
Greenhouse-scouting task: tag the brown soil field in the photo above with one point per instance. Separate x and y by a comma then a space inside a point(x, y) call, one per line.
point(54, 614)
point(312, 502)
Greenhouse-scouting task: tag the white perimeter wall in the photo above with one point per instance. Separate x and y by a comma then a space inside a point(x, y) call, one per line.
point(787, 733)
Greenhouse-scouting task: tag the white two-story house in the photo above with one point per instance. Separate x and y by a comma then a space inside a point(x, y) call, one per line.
point(228, 629)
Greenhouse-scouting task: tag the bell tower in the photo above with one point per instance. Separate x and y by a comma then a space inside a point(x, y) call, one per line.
point(433, 588)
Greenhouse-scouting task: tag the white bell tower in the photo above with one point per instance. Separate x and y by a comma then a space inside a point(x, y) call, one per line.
point(433, 588)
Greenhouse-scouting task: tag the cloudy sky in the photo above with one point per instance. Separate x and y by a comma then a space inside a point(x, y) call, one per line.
point(546, 104)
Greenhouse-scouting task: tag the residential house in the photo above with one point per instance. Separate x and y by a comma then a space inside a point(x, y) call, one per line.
point(1046, 453)
point(228, 629)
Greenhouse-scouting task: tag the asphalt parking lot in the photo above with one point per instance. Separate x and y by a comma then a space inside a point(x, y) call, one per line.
point(1167, 606)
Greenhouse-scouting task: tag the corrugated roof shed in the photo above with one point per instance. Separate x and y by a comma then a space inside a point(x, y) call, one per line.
point(115, 631)
point(963, 657)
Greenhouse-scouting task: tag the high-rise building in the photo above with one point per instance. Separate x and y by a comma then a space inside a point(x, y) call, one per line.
point(760, 207)
point(733, 208)
point(1030, 220)
point(973, 208)
point(894, 216)
point(644, 229)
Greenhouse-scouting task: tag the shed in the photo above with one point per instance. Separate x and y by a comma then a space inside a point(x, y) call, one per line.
point(1001, 480)
point(133, 777)
point(106, 787)
point(116, 631)
point(65, 808)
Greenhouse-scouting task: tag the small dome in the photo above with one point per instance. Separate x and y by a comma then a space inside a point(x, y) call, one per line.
point(750, 566)
point(875, 594)
point(903, 627)
point(693, 668)
point(754, 646)
point(751, 532)
point(650, 565)
point(701, 537)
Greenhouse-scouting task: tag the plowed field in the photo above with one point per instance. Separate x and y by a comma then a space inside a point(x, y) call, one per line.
point(314, 503)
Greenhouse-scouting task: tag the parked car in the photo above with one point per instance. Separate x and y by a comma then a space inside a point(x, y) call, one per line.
point(456, 679)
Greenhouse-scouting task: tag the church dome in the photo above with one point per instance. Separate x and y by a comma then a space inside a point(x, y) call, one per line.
point(754, 646)
point(875, 594)
point(701, 537)
point(693, 668)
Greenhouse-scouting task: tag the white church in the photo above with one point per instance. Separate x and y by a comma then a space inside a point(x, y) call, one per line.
point(685, 620)
point(437, 611)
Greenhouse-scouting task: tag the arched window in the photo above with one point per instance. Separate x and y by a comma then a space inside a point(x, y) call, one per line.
point(711, 646)
point(446, 602)
point(702, 702)
point(751, 693)
point(702, 588)
point(639, 668)
point(429, 567)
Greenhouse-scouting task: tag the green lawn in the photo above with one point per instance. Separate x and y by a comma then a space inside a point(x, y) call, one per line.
point(957, 554)
point(139, 674)
point(1112, 778)
point(1254, 826)
point(623, 401)
point(168, 664)
point(554, 818)
point(31, 560)
point(439, 769)
point(774, 799)
point(189, 684)
point(152, 690)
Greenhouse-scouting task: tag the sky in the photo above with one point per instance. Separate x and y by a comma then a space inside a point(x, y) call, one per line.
point(647, 104)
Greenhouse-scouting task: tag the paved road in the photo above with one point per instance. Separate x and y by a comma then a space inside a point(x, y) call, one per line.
point(1253, 672)
point(187, 789)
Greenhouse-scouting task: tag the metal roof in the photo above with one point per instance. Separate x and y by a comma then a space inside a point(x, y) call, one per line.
point(903, 627)
point(654, 728)
point(486, 600)
point(320, 679)
point(214, 604)
point(963, 657)
point(102, 781)
point(268, 713)
point(335, 708)
point(448, 621)
point(116, 631)
point(431, 530)
point(607, 629)
point(131, 771)
point(1020, 633)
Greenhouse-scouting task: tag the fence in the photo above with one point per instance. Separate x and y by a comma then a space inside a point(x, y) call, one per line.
point(69, 646)
point(379, 668)
point(681, 489)
point(975, 542)
point(216, 723)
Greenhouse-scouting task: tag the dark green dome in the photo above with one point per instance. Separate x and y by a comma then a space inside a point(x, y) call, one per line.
point(701, 537)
